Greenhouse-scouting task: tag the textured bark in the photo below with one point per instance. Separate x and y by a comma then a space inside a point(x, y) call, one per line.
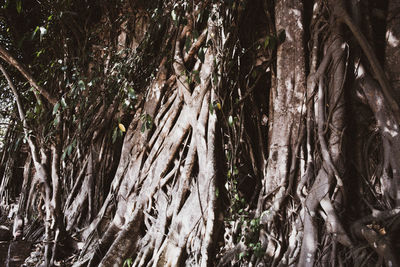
point(285, 122)
point(162, 179)
point(185, 113)
point(287, 98)
point(392, 55)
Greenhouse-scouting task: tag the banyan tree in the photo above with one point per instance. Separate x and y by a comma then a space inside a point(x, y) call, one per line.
point(202, 133)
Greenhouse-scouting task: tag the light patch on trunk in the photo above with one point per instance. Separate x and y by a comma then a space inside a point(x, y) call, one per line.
point(299, 24)
point(292, 238)
point(187, 116)
point(392, 133)
point(80, 245)
point(299, 109)
point(379, 101)
point(359, 69)
point(206, 71)
point(289, 85)
point(156, 92)
point(315, 7)
point(298, 94)
point(302, 166)
point(119, 221)
point(297, 14)
point(288, 36)
point(392, 40)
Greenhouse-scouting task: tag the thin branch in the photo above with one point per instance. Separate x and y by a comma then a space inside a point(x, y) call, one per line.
point(39, 167)
point(17, 99)
point(180, 69)
point(12, 61)
point(196, 46)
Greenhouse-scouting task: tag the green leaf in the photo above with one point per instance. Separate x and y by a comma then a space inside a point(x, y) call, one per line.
point(34, 32)
point(56, 120)
point(7, 2)
point(38, 53)
point(37, 109)
point(197, 76)
point(230, 121)
point(254, 74)
point(211, 108)
point(128, 262)
point(199, 16)
point(235, 170)
point(149, 122)
point(114, 136)
point(55, 109)
point(215, 78)
point(266, 42)
point(132, 93)
point(195, 34)
point(173, 15)
point(188, 44)
point(63, 155)
point(63, 103)
point(19, 6)
point(201, 54)
point(69, 150)
point(81, 85)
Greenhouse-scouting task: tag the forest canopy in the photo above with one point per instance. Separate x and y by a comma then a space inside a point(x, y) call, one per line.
point(201, 133)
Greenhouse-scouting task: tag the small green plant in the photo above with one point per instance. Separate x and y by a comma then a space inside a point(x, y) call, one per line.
point(147, 122)
point(128, 262)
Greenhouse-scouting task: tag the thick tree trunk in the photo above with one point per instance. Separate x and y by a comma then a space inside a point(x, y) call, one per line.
point(165, 186)
point(287, 101)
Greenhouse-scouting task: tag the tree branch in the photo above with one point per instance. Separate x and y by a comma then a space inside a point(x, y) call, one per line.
point(21, 112)
point(342, 14)
point(12, 61)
